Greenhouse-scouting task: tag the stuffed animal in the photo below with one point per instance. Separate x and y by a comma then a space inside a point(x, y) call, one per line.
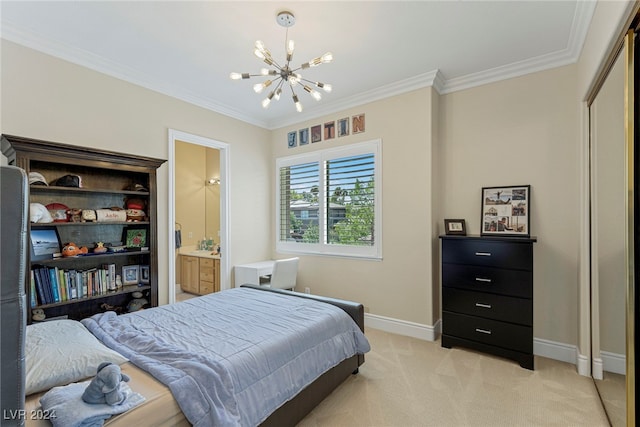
point(136, 304)
point(135, 209)
point(37, 314)
point(74, 215)
point(71, 249)
point(105, 386)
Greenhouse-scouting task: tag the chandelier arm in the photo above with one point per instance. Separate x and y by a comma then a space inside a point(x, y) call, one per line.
point(309, 81)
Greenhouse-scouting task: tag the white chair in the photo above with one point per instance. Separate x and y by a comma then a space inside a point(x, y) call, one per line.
point(284, 274)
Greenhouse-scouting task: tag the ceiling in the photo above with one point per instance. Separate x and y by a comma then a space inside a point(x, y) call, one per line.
point(187, 49)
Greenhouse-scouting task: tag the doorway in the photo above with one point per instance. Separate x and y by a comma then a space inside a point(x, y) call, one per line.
point(175, 137)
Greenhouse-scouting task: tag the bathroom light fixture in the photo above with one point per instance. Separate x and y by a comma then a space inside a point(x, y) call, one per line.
point(280, 75)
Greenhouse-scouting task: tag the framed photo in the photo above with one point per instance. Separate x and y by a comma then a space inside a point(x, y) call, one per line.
point(455, 226)
point(130, 275)
point(343, 127)
point(45, 243)
point(505, 211)
point(304, 136)
point(357, 123)
point(291, 139)
point(135, 236)
point(144, 274)
point(316, 133)
point(329, 130)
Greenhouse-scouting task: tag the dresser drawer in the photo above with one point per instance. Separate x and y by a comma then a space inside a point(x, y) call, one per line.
point(497, 307)
point(516, 283)
point(206, 287)
point(504, 254)
point(207, 276)
point(487, 331)
point(206, 262)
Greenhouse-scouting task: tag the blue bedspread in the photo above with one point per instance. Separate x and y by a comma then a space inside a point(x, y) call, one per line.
point(233, 357)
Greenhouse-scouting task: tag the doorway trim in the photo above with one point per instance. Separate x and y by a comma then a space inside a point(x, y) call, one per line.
point(177, 135)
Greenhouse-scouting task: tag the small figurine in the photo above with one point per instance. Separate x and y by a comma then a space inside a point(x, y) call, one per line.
point(100, 248)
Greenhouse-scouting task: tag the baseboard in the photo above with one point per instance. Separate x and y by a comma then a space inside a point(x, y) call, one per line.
point(402, 327)
point(555, 350)
point(545, 348)
point(598, 370)
point(614, 362)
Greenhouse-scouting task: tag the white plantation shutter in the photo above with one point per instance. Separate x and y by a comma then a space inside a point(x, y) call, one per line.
point(329, 201)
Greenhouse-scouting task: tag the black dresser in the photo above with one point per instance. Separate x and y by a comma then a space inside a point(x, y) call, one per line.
point(487, 295)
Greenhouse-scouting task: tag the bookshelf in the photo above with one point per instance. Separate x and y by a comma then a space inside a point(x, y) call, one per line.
point(108, 183)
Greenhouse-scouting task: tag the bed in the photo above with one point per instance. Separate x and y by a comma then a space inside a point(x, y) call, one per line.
point(200, 378)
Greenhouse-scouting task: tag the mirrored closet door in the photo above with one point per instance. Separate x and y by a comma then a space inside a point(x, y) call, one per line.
point(614, 178)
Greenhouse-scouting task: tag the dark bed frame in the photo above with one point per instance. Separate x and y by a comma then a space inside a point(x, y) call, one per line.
point(297, 408)
point(14, 214)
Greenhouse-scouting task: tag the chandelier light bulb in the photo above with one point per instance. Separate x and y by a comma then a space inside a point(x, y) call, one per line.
point(264, 71)
point(259, 87)
point(277, 95)
point(325, 86)
point(295, 78)
point(298, 105)
point(259, 54)
point(314, 94)
point(237, 76)
point(267, 100)
point(290, 47)
point(326, 58)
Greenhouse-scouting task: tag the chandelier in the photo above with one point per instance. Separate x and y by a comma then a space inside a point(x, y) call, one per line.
point(281, 75)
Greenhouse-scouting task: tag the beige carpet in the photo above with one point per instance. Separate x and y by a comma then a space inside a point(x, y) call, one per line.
point(410, 382)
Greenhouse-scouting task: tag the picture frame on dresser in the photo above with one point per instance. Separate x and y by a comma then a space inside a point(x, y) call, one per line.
point(455, 227)
point(505, 211)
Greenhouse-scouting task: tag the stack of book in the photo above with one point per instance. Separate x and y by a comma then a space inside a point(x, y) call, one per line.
point(51, 285)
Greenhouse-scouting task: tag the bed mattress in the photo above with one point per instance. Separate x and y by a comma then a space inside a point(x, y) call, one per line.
point(159, 409)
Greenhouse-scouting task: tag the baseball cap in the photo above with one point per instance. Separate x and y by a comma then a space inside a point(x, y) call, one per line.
point(36, 178)
point(68, 181)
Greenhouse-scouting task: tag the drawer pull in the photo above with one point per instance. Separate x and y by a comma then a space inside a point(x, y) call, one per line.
point(480, 279)
point(483, 253)
point(479, 304)
point(483, 331)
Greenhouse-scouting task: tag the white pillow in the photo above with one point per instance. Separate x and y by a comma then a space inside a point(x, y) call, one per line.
point(60, 352)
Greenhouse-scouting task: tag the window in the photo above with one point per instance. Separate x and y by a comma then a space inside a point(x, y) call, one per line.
point(329, 201)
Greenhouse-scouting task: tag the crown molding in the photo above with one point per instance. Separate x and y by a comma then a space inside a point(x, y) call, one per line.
point(581, 21)
point(396, 88)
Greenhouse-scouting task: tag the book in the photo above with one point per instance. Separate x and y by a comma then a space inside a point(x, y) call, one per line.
point(63, 284)
point(53, 282)
point(112, 277)
point(70, 279)
point(32, 290)
point(41, 297)
point(45, 285)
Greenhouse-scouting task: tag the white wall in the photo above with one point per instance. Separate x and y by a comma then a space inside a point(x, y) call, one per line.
point(47, 98)
point(516, 132)
point(400, 286)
